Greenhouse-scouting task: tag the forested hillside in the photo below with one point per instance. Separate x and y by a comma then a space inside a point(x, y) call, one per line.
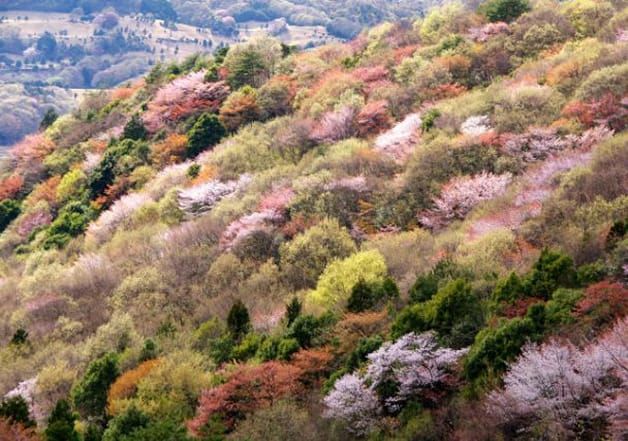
point(342, 18)
point(419, 234)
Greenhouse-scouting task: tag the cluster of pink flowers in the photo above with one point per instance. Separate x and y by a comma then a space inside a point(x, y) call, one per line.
point(271, 211)
point(460, 195)
point(243, 227)
point(29, 222)
point(26, 389)
point(182, 97)
point(202, 198)
point(121, 210)
point(399, 142)
point(483, 33)
point(567, 385)
point(354, 183)
point(537, 182)
point(353, 402)
point(278, 199)
point(535, 145)
point(475, 125)
point(412, 363)
point(335, 126)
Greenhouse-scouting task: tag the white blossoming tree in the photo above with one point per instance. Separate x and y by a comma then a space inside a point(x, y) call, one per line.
point(566, 385)
point(396, 372)
point(460, 195)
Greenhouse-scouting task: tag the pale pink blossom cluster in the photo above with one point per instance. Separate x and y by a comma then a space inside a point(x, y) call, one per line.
point(335, 126)
point(475, 125)
point(354, 403)
point(32, 148)
point(29, 222)
point(460, 195)
point(412, 363)
point(353, 183)
point(244, 226)
point(483, 33)
point(537, 183)
point(592, 137)
point(26, 390)
point(567, 385)
point(399, 142)
point(202, 198)
point(91, 161)
point(278, 199)
point(536, 144)
point(121, 211)
point(182, 97)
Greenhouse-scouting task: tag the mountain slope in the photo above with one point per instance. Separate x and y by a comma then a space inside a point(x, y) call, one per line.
point(418, 234)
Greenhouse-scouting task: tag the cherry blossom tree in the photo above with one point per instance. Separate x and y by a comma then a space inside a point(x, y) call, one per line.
point(399, 141)
point(407, 366)
point(354, 403)
point(475, 125)
point(565, 384)
point(483, 33)
point(412, 362)
point(335, 126)
point(201, 198)
point(460, 195)
point(121, 210)
point(183, 97)
point(535, 145)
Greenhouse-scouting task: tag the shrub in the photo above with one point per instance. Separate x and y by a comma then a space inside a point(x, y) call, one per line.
point(607, 80)
point(306, 329)
point(454, 312)
point(9, 210)
point(304, 258)
point(335, 284)
point(61, 424)
point(493, 348)
point(125, 424)
point(90, 394)
point(15, 410)
point(509, 289)
point(516, 110)
point(366, 296)
point(206, 132)
point(126, 384)
point(238, 320)
point(293, 310)
point(551, 271)
point(134, 129)
point(239, 109)
point(504, 10)
point(248, 347)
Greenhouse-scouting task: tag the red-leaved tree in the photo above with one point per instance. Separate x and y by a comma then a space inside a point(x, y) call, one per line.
point(248, 389)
